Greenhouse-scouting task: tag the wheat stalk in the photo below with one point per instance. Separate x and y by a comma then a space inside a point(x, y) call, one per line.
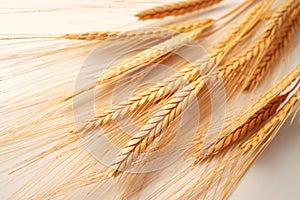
point(158, 32)
point(181, 99)
point(187, 72)
point(279, 118)
point(175, 9)
point(277, 47)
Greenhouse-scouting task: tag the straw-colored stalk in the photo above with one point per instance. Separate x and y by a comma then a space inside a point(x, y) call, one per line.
point(276, 49)
point(176, 9)
point(182, 99)
point(272, 124)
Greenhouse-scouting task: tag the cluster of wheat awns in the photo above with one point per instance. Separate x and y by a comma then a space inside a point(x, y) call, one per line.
point(255, 62)
point(235, 64)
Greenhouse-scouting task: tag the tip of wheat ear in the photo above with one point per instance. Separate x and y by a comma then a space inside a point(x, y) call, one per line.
point(175, 9)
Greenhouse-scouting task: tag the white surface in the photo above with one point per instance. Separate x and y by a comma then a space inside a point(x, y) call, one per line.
point(276, 175)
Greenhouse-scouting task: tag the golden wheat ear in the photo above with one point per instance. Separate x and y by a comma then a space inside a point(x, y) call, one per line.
point(176, 9)
point(276, 49)
point(259, 112)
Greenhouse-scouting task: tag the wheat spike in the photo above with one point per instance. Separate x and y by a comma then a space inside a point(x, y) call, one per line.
point(190, 73)
point(184, 97)
point(258, 112)
point(151, 55)
point(176, 9)
point(277, 47)
point(90, 35)
point(279, 118)
point(241, 27)
point(254, 121)
point(260, 46)
point(159, 121)
point(181, 28)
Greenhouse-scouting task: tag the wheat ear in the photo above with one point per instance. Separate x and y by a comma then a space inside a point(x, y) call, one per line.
point(176, 9)
point(155, 125)
point(254, 121)
point(148, 56)
point(90, 35)
point(187, 73)
point(185, 96)
point(240, 28)
point(181, 28)
point(257, 113)
point(258, 49)
point(279, 118)
point(277, 47)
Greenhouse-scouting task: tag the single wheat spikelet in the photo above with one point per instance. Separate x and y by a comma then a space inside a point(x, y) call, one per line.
point(176, 9)
point(277, 47)
point(272, 124)
point(181, 28)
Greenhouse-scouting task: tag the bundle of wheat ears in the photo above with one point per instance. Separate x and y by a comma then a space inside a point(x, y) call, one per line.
point(177, 110)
